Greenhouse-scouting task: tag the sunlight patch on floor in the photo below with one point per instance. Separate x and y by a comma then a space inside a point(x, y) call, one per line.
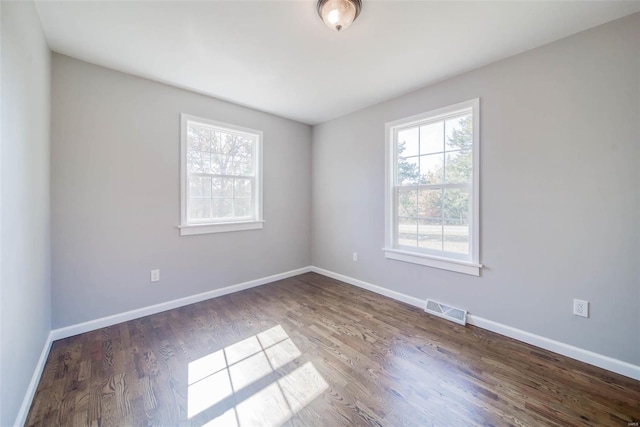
point(217, 376)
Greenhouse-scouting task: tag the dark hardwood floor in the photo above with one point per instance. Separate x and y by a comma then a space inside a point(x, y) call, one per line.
point(314, 351)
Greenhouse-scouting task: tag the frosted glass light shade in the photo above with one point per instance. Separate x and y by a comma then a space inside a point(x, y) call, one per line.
point(339, 14)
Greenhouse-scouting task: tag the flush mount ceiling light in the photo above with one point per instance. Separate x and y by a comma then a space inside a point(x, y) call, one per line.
point(339, 14)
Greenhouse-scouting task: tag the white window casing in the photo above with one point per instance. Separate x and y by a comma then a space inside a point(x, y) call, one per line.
point(432, 188)
point(220, 177)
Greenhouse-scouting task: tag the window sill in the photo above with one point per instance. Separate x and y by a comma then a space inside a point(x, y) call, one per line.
point(191, 229)
point(464, 267)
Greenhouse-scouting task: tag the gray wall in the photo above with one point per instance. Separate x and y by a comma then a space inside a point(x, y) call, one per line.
point(25, 294)
point(560, 188)
point(115, 196)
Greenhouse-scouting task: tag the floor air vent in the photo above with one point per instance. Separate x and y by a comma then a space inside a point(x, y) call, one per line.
point(446, 312)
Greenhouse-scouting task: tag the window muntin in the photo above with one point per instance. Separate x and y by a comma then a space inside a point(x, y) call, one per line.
point(220, 174)
point(433, 177)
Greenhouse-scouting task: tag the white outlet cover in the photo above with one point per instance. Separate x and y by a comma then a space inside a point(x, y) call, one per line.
point(155, 275)
point(581, 308)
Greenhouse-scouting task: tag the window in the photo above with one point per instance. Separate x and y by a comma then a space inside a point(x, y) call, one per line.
point(221, 170)
point(432, 176)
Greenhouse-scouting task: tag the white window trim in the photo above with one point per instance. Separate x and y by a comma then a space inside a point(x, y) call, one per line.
point(471, 266)
point(187, 229)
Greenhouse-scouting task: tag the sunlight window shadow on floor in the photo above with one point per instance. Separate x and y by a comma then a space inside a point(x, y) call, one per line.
point(218, 376)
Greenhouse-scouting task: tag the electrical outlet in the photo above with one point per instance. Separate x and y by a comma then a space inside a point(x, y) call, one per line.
point(581, 308)
point(155, 275)
point(355, 256)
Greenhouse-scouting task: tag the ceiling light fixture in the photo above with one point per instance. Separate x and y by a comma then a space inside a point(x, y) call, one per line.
point(339, 14)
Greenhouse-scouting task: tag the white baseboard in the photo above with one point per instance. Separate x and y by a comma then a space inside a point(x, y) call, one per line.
point(373, 288)
point(35, 378)
point(103, 322)
point(595, 359)
point(601, 361)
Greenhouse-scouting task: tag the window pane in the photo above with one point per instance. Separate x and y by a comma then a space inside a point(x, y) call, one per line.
point(431, 169)
point(432, 138)
point(408, 171)
point(456, 205)
point(222, 208)
point(222, 188)
point(233, 144)
point(456, 236)
point(198, 161)
point(244, 147)
point(241, 166)
point(407, 144)
point(224, 143)
point(214, 142)
point(242, 188)
point(198, 149)
point(407, 202)
point(215, 165)
point(221, 164)
point(430, 203)
point(199, 209)
point(226, 164)
point(242, 207)
point(407, 232)
point(199, 186)
point(198, 138)
point(458, 167)
point(430, 234)
point(459, 133)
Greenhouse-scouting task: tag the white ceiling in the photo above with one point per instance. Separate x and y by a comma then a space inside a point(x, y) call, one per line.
point(278, 56)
